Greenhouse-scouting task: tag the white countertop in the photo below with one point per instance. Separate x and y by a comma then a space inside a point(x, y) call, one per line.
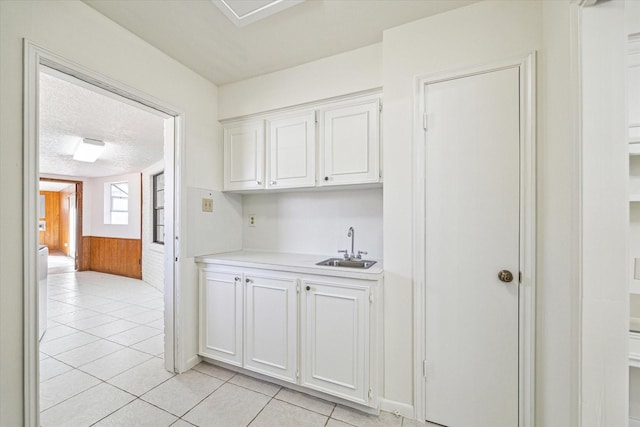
point(299, 263)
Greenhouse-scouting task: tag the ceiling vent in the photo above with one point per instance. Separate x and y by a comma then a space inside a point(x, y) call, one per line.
point(244, 12)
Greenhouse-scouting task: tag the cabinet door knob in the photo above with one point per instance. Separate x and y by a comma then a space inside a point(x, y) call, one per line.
point(273, 182)
point(259, 182)
point(247, 280)
point(237, 279)
point(326, 178)
point(308, 288)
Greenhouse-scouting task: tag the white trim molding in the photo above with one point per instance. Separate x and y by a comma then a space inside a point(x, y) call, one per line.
point(35, 57)
point(397, 408)
point(527, 307)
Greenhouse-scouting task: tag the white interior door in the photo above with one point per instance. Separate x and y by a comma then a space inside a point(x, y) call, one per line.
point(472, 233)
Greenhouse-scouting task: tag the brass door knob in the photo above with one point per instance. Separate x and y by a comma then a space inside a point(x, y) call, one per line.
point(505, 276)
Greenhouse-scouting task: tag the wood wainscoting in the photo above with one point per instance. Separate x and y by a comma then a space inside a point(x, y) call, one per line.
point(122, 257)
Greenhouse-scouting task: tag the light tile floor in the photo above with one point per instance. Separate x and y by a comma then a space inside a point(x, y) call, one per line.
point(101, 364)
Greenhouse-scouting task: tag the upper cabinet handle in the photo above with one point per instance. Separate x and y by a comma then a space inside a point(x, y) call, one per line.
point(326, 178)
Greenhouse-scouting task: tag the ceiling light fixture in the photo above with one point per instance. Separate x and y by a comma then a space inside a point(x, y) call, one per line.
point(88, 150)
point(243, 12)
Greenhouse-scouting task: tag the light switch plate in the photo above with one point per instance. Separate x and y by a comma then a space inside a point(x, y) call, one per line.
point(207, 205)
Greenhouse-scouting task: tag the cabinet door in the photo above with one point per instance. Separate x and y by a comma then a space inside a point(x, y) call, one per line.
point(291, 151)
point(349, 143)
point(335, 340)
point(221, 296)
point(244, 156)
point(271, 327)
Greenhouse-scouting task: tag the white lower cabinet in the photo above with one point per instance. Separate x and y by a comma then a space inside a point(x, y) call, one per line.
point(221, 313)
point(271, 313)
point(317, 332)
point(335, 339)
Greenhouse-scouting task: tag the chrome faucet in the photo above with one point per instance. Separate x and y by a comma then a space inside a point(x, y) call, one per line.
point(352, 256)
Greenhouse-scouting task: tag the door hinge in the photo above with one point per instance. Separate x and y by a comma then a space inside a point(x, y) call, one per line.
point(519, 276)
point(370, 394)
point(315, 116)
point(298, 288)
point(424, 121)
point(297, 374)
point(380, 107)
point(424, 368)
point(370, 297)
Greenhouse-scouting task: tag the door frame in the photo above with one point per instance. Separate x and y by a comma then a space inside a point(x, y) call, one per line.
point(34, 57)
point(527, 286)
point(79, 266)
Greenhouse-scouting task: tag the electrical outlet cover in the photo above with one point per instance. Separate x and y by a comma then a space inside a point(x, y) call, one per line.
point(207, 205)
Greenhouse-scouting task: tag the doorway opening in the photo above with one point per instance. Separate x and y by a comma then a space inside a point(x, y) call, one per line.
point(37, 61)
point(60, 206)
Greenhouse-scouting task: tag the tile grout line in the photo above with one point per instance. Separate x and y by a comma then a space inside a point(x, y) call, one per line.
point(265, 405)
point(203, 399)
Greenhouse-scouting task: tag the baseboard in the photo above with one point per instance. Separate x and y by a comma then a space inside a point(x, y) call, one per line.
point(634, 422)
point(397, 408)
point(191, 362)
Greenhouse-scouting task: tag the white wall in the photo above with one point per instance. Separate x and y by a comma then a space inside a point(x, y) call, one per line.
point(314, 222)
point(77, 32)
point(605, 192)
point(95, 198)
point(152, 253)
point(353, 71)
point(477, 34)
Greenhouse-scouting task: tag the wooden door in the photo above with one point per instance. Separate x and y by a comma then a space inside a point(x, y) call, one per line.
point(472, 233)
point(271, 326)
point(335, 339)
point(221, 298)
point(291, 151)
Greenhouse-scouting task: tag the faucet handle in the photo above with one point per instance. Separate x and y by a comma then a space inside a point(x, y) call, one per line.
point(345, 252)
point(360, 253)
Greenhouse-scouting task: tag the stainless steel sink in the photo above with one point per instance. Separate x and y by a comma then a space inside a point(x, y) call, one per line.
point(350, 263)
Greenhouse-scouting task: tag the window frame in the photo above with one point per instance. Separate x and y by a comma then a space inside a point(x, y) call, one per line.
point(156, 208)
point(112, 209)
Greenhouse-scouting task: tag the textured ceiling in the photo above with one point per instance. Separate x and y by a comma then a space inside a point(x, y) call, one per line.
point(198, 35)
point(69, 112)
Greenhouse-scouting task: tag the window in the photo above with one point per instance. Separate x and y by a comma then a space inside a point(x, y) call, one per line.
point(158, 208)
point(119, 206)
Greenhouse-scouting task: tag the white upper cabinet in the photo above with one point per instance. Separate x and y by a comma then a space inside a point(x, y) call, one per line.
point(350, 143)
point(244, 155)
point(291, 151)
point(287, 150)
